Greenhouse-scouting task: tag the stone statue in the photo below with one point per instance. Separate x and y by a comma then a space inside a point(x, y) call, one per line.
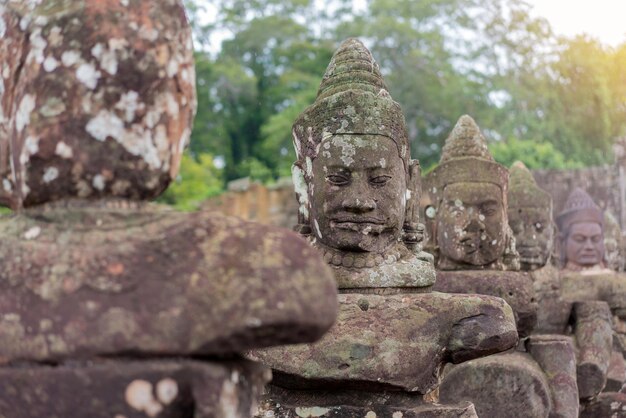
point(581, 227)
point(530, 218)
point(132, 304)
point(358, 191)
point(469, 187)
point(585, 278)
point(589, 322)
point(468, 218)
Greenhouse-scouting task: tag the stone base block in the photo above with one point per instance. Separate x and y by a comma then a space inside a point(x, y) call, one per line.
point(605, 405)
point(283, 403)
point(503, 385)
point(133, 389)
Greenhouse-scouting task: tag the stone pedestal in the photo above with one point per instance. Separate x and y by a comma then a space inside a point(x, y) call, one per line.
point(281, 402)
point(540, 383)
point(81, 282)
point(133, 389)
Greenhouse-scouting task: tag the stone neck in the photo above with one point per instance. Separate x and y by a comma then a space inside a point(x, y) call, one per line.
point(398, 270)
point(360, 260)
point(445, 263)
point(576, 268)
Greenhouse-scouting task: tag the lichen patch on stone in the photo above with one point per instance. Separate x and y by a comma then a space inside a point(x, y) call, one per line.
point(22, 118)
point(88, 75)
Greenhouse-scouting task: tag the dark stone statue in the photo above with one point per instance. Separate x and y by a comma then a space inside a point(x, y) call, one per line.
point(358, 188)
point(109, 305)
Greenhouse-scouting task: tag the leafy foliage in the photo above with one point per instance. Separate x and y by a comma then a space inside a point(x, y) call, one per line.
point(534, 154)
point(198, 180)
point(549, 101)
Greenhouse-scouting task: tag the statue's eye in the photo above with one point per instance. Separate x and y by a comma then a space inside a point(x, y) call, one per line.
point(337, 180)
point(488, 211)
point(380, 180)
point(538, 226)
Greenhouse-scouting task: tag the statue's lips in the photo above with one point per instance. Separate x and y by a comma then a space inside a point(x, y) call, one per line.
point(470, 244)
point(529, 251)
point(363, 225)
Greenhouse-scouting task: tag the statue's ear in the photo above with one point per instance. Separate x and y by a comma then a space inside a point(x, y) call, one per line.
point(510, 258)
point(412, 230)
point(301, 188)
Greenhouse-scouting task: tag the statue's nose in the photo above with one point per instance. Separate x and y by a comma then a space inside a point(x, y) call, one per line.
point(475, 225)
point(358, 204)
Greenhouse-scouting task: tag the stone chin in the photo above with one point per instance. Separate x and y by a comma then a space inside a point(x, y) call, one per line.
point(361, 237)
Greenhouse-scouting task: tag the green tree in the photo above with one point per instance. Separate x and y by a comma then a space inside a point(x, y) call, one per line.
point(198, 180)
point(257, 74)
point(535, 154)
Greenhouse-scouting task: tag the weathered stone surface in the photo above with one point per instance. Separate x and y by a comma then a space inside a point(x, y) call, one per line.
point(84, 281)
point(509, 384)
point(355, 181)
point(356, 404)
point(556, 356)
point(466, 205)
point(530, 218)
point(353, 403)
point(516, 288)
point(133, 389)
point(595, 341)
point(97, 98)
point(581, 234)
point(605, 405)
point(395, 340)
point(604, 285)
point(541, 383)
point(613, 243)
point(358, 191)
point(553, 313)
point(616, 375)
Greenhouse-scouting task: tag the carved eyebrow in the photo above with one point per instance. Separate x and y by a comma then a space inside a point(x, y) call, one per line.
point(490, 203)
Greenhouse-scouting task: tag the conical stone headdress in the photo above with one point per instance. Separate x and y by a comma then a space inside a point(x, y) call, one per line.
point(352, 99)
point(523, 189)
point(465, 158)
point(579, 207)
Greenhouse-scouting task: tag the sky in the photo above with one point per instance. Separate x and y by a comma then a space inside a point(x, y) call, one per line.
point(602, 19)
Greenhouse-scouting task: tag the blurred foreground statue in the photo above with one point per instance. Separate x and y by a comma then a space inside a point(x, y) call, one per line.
point(358, 191)
point(110, 306)
point(467, 213)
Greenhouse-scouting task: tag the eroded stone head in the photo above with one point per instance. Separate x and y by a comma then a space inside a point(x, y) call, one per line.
point(468, 191)
point(355, 181)
point(581, 232)
point(530, 218)
point(96, 98)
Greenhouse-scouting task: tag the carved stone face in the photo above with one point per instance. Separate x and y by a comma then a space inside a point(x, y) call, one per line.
point(534, 233)
point(471, 223)
point(358, 193)
point(584, 244)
